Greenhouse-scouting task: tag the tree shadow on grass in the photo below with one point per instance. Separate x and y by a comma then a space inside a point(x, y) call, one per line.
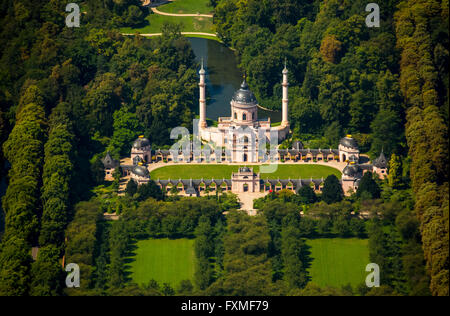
point(307, 260)
point(130, 257)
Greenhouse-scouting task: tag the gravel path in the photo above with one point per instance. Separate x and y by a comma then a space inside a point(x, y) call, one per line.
point(156, 11)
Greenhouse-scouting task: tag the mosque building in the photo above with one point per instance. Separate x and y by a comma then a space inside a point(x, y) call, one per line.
point(241, 135)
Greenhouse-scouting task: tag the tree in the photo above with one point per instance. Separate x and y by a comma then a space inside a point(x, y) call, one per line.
point(126, 128)
point(369, 185)
point(387, 132)
point(357, 227)
point(341, 226)
point(167, 290)
point(57, 177)
point(24, 150)
point(395, 172)
point(330, 49)
point(131, 188)
point(135, 16)
point(15, 262)
point(307, 195)
point(324, 226)
point(98, 171)
point(149, 190)
point(104, 96)
point(332, 190)
point(185, 287)
point(47, 276)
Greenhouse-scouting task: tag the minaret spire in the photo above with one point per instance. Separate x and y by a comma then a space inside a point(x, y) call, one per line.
point(202, 101)
point(285, 100)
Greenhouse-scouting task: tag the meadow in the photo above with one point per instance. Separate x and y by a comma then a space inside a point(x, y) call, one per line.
point(155, 22)
point(187, 24)
point(338, 261)
point(284, 171)
point(164, 260)
point(187, 7)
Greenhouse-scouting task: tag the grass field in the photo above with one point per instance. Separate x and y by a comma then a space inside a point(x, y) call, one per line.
point(188, 24)
point(187, 7)
point(337, 261)
point(284, 171)
point(164, 260)
point(297, 171)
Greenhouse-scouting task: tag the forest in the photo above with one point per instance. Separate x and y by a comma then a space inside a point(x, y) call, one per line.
point(69, 95)
point(387, 86)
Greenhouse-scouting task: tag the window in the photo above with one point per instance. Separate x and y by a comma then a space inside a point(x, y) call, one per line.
point(244, 117)
point(253, 116)
point(235, 115)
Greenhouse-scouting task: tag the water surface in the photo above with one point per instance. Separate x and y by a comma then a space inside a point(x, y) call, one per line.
point(223, 78)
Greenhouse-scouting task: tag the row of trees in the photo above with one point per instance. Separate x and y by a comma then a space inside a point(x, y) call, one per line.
point(247, 266)
point(208, 251)
point(57, 177)
point(286, 249)
point(422, 32)
point(24, 150)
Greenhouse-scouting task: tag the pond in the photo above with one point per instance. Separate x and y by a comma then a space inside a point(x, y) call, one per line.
point(223, 78)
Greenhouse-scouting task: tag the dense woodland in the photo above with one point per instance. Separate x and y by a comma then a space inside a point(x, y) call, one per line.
point(69, 95)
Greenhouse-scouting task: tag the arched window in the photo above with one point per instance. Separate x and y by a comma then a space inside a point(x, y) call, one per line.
point(253, 116)
point(235, 115)
point(244, 117)
point(245, 140)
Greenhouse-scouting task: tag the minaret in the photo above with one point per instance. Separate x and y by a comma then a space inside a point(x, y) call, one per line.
point(202, 100)
point(285, 84)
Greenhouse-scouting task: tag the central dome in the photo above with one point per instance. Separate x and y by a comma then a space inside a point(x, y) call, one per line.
point(244, 95)
point(141, 142)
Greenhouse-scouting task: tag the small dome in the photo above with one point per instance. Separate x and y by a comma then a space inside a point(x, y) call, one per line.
point(141, 142)
point(141, 171)
point(349, 142)
point(244, 95)
point(351, 170)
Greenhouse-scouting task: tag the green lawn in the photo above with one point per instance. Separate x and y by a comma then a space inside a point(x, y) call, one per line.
point(187, 7)
point(204, 171)
point(188, 24)
point(337, 261)
point(164, 260)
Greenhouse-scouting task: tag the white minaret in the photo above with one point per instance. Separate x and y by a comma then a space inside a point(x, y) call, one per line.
point(202, 100)
point(285, 120)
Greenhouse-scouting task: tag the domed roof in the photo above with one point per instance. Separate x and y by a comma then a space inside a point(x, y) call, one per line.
point(141, 142)
point(244, 95)
point(349, 142)
point(141, 171)
point(351, 170)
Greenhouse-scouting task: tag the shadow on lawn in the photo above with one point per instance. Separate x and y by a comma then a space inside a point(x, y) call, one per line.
point(130, 257)
point(306, 260)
